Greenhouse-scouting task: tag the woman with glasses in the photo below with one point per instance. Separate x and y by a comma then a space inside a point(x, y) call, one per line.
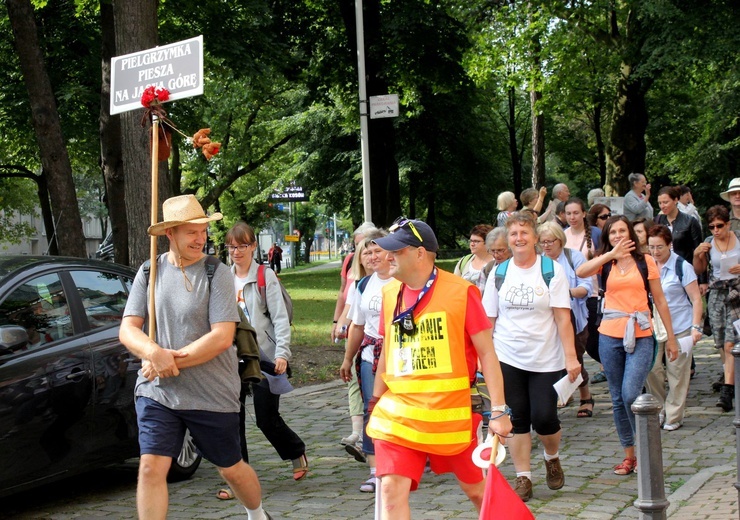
point(721, 253)
point(470, 266)
point(498, 246)
point(626, 342)
point(269, 317)
point(678, 280)
point(533, 338)
point(598, 214)
point(552, 240)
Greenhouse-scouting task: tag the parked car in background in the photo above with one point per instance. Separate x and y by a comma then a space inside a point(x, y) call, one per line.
point(66, 381)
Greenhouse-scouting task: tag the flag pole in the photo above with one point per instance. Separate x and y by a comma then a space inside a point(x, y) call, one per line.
point(154, 219)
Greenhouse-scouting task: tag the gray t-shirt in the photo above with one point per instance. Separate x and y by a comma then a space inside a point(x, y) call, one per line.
point(182, 317)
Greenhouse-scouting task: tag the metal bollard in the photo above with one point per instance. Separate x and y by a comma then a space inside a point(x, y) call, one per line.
point(736, 421)
point(651, 501)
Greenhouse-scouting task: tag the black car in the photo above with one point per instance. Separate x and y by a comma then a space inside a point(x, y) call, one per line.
point(66, 381)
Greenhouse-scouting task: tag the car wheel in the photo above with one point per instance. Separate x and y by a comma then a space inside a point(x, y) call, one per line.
point(185, 465)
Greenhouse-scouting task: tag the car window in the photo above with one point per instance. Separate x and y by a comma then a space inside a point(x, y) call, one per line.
point(103, 297)
point(40, 307)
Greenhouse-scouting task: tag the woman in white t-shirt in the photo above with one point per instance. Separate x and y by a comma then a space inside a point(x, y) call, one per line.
point(365, 344)
point(534, 341)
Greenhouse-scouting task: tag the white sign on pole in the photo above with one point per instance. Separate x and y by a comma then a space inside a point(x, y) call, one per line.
point(178, 67)
point(384, 106)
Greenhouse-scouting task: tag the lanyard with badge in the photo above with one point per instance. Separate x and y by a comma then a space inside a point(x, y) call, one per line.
point(404, 320)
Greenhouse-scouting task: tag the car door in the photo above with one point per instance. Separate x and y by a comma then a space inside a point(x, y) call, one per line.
point(45, 383)
point(103, 297)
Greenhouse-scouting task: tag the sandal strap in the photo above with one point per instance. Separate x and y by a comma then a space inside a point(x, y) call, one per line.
point(590, 400)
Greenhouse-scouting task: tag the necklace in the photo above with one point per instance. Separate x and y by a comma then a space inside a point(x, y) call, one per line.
point(723, 254)
point(625, 268)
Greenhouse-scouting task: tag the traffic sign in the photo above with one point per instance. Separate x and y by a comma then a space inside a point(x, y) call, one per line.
point(292, 238)
point(178, 67)
point(384, 106)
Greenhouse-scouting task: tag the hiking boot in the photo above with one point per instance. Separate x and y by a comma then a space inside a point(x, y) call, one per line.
point(725, 397)
point(555, 476)
point(523, 488)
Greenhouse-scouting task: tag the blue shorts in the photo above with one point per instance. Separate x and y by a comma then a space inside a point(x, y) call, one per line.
point(162, 431)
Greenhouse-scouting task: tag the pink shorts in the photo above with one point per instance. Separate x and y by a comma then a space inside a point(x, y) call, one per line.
point(393, 459)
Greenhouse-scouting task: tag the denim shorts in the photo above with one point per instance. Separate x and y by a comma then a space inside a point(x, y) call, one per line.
point(162, 431)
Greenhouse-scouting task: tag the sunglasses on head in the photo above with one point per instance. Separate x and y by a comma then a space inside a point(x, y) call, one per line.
point(716, 226)
point(604, 217)
point(403, 221)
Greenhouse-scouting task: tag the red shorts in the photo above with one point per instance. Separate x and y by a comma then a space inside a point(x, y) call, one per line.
point(393, 459)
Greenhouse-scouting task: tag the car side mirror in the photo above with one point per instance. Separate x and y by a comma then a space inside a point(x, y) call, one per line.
point(12, 338)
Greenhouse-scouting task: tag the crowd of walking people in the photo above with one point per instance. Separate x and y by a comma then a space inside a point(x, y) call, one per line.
point(548, 285)
point(564, 280)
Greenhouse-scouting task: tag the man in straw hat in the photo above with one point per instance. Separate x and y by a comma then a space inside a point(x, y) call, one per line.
point(435, 331)
point(189, 377)
point(732, 195)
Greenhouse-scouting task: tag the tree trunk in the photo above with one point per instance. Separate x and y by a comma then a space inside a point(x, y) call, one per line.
point(136, 29)
point(111, 159)
point(627, 149)
point(538, 141)
point(385, 190)
point(516, 163)
point(55, 163)
point(600, 146)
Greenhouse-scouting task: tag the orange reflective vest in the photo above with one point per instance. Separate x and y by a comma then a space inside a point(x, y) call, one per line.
point(427, 405)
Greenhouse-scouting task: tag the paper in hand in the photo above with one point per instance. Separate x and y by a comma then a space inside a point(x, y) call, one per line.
point(685, 345)
point(565, 388)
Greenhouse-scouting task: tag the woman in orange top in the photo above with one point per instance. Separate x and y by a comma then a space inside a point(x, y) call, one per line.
point(626, 342)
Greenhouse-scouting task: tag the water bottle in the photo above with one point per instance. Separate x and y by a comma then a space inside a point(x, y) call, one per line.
point(341, 335)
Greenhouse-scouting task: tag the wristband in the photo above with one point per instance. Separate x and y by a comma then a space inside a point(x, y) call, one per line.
point(698, 327)
point(335, 321)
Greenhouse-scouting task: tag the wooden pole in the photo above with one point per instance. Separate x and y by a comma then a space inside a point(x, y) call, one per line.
point(154, 219)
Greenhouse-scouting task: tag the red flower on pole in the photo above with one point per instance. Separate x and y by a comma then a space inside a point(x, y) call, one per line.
point(153, 96)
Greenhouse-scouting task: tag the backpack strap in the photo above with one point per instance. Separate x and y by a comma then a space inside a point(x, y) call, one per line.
point(262, 288)
point(500, 273)
point(211, 264)
point(569, 256)
point(362, 283)
point(463, 263)
point(641, 266)
point(547, 265)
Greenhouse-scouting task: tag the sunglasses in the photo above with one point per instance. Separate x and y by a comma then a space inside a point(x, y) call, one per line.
point(403, 221)
point(604, 217)
point(715, 226)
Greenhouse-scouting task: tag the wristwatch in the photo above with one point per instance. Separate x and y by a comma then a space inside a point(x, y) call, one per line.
point(698, 327)
point(503, 409)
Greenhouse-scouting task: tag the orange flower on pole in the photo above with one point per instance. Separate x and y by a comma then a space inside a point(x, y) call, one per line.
point(202, 141)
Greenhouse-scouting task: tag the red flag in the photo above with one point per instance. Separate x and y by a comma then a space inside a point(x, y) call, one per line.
point(500, 501)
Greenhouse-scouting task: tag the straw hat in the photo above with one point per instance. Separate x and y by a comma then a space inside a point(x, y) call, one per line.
point(184, 209)
point(734, 186)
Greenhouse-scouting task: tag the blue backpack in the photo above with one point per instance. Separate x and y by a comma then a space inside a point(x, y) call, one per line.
point(547, 266)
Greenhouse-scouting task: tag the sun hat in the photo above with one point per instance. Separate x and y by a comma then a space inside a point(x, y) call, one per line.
point(184, 209)
point(734, 186)
point(405, 232)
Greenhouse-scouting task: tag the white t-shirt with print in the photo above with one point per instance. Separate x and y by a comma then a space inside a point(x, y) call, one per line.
point(526, 336)
point(366, 309)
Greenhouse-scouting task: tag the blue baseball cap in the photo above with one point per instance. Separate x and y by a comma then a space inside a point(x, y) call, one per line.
point(405, 232)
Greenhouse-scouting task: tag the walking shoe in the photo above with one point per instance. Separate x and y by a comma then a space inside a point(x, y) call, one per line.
point(671, 426)
point(354, 438)
point(356, 451)
point(523, 488)
point(555, 476)
point(599, 377)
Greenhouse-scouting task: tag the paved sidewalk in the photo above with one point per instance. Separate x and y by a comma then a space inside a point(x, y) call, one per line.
point(699, 462)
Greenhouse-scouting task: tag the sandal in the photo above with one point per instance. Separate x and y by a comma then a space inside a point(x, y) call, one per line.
point(627, 466)
point(585, 412)
point(225, 494)
point(302, 470)
point(368, 486)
